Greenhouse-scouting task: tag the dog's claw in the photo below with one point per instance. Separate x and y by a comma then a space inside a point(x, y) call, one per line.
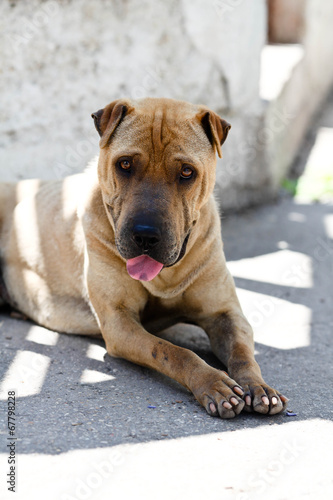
point(238, 390)
point(212, 407)
point(265, 400)
point(234, 401)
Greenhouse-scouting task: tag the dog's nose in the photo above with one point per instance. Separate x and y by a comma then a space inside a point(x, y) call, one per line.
point(146, 237)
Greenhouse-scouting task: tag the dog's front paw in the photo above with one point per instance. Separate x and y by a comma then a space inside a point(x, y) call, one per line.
point(218, 394)
point(261, 398)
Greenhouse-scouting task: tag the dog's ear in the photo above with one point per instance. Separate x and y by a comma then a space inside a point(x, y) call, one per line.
point(215, 128)
point(107, 119)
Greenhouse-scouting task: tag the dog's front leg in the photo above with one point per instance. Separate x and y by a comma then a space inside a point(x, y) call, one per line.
point(231, 338)
point(125, 337)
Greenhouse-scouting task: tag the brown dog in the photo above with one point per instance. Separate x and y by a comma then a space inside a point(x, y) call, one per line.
point(138, 248)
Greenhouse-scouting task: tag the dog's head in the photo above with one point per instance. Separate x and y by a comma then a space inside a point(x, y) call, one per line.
point(156, 170)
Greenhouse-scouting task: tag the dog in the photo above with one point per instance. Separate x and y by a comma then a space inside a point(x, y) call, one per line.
point(134, 246)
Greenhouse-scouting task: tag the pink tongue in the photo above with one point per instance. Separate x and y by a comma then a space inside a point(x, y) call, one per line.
point(143, 268)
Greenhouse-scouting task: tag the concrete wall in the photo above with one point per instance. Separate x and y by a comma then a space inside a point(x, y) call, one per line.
point(62, 60)
point(306, 89)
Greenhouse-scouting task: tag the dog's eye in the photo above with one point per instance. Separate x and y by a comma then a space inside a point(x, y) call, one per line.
point(124, 164)
point(187, 172)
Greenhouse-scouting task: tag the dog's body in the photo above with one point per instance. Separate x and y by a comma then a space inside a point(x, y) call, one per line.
point(70, 250)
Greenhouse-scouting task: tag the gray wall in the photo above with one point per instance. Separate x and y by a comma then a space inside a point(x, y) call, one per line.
point(62, 60)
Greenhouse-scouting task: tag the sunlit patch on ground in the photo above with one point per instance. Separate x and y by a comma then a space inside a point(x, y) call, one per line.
point(26, 374)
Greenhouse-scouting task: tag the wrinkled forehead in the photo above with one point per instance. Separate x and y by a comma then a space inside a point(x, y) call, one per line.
point(161, 129)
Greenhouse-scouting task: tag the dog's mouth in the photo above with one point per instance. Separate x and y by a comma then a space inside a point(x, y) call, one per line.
point(182, 250)
point(145, 268)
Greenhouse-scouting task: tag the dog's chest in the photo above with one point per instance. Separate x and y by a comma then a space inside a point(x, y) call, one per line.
point(159, 314)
